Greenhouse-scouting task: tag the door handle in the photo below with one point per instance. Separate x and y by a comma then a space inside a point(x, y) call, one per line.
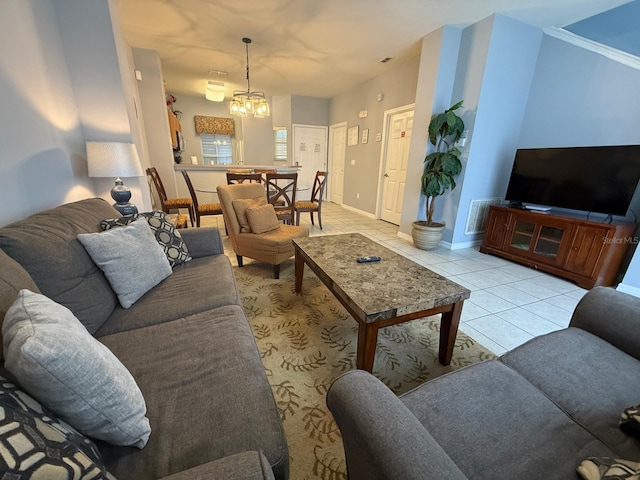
point(386, 175)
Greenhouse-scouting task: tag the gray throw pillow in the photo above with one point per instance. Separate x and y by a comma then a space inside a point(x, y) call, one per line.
point(130, 258)
point(38, 445)
point(57, 361)
point(167, 235)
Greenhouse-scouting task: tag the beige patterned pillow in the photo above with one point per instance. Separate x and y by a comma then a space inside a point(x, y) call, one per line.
point(604, 468)
point(263, 219)
point(240, 205)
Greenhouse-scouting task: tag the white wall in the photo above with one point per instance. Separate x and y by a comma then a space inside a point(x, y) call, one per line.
point(399, 88)
point(494, 80)
point(438, 65)
point(42, 161)
point(69, 81)
point(102, 77)
point(156, 122)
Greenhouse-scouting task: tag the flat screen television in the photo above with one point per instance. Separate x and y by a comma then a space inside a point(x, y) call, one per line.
point(592, 179)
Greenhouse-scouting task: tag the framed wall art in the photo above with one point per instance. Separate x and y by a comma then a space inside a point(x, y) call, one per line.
point(352, 136)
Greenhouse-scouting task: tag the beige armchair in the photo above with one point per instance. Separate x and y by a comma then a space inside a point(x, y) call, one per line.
point(273, 247)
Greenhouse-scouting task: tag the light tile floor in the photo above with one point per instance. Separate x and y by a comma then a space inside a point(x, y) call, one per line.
point(509, 303)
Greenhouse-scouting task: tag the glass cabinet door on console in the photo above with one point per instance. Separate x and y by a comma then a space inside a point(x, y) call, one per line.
point(522, 236)
point(541, 239)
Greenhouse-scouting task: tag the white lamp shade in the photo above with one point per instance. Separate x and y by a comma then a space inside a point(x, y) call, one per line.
point(113, 159)
point(215, 91)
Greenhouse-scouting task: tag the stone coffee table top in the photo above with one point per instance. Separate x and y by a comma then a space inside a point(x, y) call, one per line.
point(391, 288)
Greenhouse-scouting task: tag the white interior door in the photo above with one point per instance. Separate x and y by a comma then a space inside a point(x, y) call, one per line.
point(337, 152)
point(309, 153)
point(395, 162)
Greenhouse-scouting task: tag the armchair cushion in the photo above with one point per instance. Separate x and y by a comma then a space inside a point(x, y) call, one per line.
point(262, 219)
point(130, 258)
point(240, 206)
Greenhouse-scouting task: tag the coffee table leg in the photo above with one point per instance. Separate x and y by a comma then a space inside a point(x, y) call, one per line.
point(448, 332)
point(367, 341)
point(299, 271)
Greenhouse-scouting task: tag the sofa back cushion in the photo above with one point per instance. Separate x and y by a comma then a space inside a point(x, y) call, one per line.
point(13, 278)
point(45, 245)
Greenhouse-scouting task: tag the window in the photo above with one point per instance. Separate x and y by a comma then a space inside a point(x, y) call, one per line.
point(280, 141)
point(216, 149)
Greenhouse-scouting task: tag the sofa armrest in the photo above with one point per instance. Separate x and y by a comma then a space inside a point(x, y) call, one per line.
point(382, 438)
point(241, 466)
point(202, 241)
point(611, 315)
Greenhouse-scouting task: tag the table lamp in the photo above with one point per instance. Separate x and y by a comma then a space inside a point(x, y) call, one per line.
point(113, 159)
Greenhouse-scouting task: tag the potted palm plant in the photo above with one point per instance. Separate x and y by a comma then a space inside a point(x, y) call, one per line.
point(441, 168)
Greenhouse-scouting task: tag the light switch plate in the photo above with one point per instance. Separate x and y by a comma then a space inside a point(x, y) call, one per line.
point(353, 162)
point(363, 114)
point(378, 137)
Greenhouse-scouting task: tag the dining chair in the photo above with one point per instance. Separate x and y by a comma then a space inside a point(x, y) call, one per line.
point(281, 193)
point(204, 209)
point(243, 177)
point(315, 204)
point(168, 204)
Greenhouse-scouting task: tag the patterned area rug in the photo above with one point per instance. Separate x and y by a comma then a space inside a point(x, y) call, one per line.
point(308, 340)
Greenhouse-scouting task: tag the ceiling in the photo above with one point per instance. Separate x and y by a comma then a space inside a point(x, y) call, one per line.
point(316, 48)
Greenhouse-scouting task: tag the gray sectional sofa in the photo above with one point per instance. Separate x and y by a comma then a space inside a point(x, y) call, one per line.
point(535, 413)
point(186, 342)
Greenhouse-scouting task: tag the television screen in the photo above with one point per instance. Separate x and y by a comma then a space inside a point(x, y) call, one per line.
point(593, 179)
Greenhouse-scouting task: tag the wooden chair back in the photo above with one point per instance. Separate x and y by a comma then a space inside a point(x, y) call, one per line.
point(157, 182)
point(192, 191)
point(317, 192)
point(233, 178)
point(281, 193)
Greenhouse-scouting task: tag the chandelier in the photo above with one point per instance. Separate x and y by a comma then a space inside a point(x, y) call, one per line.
point(247, 102)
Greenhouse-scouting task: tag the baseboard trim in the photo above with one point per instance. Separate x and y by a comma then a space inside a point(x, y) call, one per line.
point(461, 245)
point(406, 237)
point(631, 290)
point(361, 212)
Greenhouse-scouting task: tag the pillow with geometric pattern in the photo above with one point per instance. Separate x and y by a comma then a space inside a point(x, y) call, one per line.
point(604, 468)
point(166, 234)
point(630, 421)
point(35, 444)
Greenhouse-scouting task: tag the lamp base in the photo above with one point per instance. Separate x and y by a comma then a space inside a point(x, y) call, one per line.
point(126, 208)
point(121, 194)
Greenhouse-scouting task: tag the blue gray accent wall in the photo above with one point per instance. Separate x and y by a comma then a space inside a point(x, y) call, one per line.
point(618, 28)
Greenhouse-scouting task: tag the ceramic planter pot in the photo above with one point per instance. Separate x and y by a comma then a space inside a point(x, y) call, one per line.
point(426, 237)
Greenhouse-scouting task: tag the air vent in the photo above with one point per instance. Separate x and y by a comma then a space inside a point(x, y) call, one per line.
point(478, 212)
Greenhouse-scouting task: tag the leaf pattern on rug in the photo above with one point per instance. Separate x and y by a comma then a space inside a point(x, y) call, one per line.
point(308, 340)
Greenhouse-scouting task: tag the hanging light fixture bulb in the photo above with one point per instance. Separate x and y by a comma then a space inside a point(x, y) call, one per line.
point(247, 102)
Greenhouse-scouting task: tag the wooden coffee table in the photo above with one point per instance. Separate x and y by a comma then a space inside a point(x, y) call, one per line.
point(377, 295)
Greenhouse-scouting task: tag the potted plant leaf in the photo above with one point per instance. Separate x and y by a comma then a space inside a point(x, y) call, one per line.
point(441, 168)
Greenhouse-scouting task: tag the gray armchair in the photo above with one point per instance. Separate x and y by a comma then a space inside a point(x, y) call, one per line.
point(535, 413)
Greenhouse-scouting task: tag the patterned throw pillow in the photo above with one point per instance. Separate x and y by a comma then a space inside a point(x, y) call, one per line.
point(609, 469)
point(166, 234)
point(35, 444)
point(630, 421)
